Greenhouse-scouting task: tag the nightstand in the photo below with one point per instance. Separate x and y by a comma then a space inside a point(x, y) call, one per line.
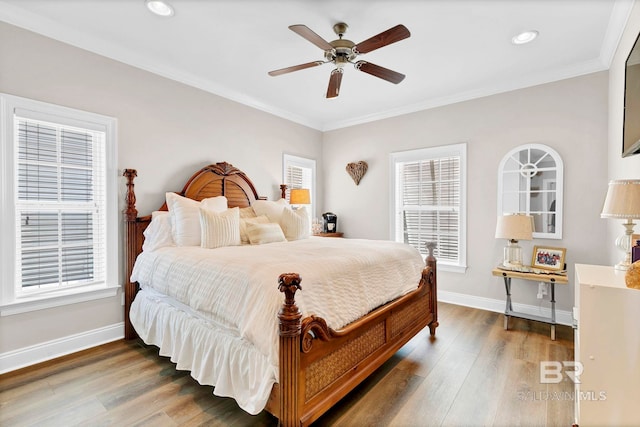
point(338, 234)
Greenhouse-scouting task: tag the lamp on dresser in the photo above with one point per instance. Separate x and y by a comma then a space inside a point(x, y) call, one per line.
point(623, 202)
point(513, 228)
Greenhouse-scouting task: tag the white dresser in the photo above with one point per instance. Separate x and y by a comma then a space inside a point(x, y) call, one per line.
point(607, 343)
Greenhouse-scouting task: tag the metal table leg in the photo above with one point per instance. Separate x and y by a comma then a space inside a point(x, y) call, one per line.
point(508, 308)
point(553, 310)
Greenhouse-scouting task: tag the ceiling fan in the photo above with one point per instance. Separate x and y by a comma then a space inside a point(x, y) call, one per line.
point(342, 51)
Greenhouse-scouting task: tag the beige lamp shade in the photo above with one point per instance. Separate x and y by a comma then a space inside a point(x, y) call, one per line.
point(299, 196)
point(515, 227)
point(623, 199)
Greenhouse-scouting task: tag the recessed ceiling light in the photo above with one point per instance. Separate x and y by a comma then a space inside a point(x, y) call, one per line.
point(525, 37)
point(160, 8)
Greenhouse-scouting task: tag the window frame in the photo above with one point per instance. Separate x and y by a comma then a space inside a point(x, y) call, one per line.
point(302, 162)
point(12, 300)
point(431, 153)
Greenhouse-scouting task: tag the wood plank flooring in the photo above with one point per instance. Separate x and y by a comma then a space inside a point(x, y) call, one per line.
point(473, 373)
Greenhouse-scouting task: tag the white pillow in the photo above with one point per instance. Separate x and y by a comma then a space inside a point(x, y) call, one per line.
point(216, 204)
point(158, 232)
point(273, 210)
point(262, 219)
point(295, 223)
point(264, 233)
point(220, 229)
point(185, 217)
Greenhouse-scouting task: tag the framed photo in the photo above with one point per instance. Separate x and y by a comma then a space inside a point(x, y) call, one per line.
point(547, 258)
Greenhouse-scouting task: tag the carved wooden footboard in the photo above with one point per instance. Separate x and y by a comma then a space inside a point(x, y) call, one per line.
point(318, 366)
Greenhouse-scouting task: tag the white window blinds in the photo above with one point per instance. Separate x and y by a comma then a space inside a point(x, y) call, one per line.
point(60, 206)
point(429, 202)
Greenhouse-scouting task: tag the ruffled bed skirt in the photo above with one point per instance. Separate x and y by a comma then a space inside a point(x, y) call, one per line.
point(214, 356)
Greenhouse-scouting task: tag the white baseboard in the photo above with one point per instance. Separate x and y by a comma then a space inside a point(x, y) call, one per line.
point(27, 356)
point(563, 317)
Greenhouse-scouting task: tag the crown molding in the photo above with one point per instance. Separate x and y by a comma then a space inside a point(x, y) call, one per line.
point(524, 82)
point(618, 20)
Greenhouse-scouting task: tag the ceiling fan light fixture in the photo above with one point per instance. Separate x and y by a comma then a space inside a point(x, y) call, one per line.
point(160, 8)
point(525, 37)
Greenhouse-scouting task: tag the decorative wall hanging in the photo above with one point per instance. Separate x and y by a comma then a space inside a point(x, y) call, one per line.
point(357, 170)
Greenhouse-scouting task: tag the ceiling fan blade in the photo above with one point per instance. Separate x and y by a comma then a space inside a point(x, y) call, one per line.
point(307, 33)
point(392, 35)
point(295, 68)
point(378, 71)
point(334, 83)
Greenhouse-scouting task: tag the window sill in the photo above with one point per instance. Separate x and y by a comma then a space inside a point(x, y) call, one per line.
point(40, 302)
point(452, 268)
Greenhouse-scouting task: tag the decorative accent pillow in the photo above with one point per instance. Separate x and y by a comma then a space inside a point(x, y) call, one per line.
point(185, 217)
point(262, 219)
point(219, 229)
point(295, 223)
point(273, 210)
point(247, 213)
point(264, 233)
point(158, 232)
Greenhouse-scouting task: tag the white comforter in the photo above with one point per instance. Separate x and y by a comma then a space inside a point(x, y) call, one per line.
point(236, 289)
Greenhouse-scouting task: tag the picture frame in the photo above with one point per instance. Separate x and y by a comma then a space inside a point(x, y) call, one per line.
point(548, 258)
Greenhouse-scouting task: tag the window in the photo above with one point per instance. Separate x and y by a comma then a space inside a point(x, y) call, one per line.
point(298, 172)
point(60, 209)
point(429, 202)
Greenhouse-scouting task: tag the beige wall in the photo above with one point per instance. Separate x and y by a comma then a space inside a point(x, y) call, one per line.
point(569, 115)
point(628, 167)
point(166, 130)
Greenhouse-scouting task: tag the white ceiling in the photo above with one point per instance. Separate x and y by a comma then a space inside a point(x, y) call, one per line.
point(458, 49)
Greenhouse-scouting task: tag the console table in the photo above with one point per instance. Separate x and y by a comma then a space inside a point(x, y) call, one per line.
point(507, 275)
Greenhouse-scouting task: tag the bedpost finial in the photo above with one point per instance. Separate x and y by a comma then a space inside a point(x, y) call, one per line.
point(289, 283)
point(130, 212)
point(289, 314)
point(431, 247)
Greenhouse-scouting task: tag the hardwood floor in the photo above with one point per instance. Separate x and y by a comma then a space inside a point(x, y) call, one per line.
point(473, 373)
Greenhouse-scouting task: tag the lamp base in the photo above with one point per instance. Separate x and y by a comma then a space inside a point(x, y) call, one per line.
point(512, 255)
point(622, 266)
point(624, 243)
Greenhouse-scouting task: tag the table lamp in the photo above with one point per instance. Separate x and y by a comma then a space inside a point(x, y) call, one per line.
point(623, 202)
point(513, 228)
point(299, 196)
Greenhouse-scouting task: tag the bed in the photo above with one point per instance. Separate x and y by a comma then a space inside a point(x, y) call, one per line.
point(316, 364)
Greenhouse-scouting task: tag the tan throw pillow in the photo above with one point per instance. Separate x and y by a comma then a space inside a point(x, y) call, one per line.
point(295, 223)
point(219, 229)
point(247, 213)
point(262, 219)
point(265, 233)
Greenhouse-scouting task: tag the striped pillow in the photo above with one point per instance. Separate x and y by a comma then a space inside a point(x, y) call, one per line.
point(295, 223)
point(264, 233)
point(262, 219)
point(219, 229)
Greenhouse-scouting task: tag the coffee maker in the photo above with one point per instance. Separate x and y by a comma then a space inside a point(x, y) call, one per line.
point(330, 222)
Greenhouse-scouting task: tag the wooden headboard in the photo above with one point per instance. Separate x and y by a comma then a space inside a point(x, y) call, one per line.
point(220, 179)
